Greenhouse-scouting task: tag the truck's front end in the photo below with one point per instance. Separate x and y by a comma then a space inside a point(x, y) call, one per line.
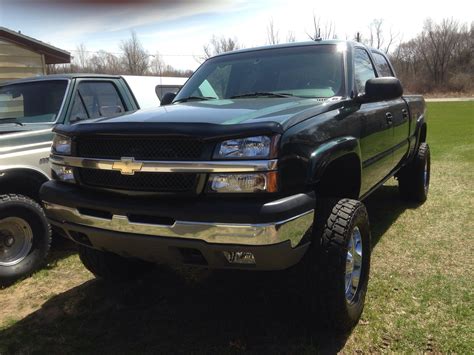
point(202, 181)
point(165, 195)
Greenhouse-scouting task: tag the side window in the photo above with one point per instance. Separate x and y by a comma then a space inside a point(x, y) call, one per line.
point(363, 68)
point(383, 68)
point(96, 99)
point(78, 112)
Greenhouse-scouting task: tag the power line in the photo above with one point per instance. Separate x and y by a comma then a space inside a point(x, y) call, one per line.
point(120, 53)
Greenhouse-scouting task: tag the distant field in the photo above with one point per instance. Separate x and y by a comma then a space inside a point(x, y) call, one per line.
point(420, 295)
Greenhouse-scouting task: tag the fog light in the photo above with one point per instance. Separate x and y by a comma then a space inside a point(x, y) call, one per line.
point(239, 257)
point(243, 183)
point(63, 173)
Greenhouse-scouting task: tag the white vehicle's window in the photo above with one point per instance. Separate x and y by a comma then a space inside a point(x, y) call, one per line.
point(33, 102)
point(161, 90)
point(306, 71)
point(364, 70)
point(94, 99)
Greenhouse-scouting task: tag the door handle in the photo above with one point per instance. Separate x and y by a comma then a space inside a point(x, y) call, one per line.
point(405, 113)
point(389, 118)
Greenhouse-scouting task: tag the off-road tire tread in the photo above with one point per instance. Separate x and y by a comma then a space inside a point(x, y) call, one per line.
point(323, 262)
point(334, 243)
point(28, 202)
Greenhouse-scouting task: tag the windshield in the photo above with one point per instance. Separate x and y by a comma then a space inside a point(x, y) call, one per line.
point(306, 71)
point(33, 102)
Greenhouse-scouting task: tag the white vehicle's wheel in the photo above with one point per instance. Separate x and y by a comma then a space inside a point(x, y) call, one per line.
point(25, 237)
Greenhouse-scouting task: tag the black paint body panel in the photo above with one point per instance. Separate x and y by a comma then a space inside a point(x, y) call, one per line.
point(381, 135)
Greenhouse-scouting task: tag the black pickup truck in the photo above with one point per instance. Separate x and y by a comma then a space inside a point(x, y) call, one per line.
point(260, 162)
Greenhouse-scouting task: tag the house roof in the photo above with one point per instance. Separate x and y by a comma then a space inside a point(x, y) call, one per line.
point(52, 55)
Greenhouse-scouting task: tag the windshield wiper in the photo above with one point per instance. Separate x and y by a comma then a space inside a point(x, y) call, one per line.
point(11, 120)
point(196, 98)
point(261, 94)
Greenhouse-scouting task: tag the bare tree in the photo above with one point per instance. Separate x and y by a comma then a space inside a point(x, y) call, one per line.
point(376, 33)
point(290, 37)
point(437, 46)
point(81, 59)
point(322, 31)
point(158, 65)
point(135, 57)
point(61, 68)
point(98, 62)
point(171, 71)
point(440, 58)
point(272, 33)
point(106, 63)
point(219, 45)
point(393, 36)
point(377, 37)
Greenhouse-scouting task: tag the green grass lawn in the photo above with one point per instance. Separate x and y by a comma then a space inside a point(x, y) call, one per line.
point(420, 297)
point(420, 293)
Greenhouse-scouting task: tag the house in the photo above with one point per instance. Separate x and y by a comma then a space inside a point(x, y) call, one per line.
point(22, 56)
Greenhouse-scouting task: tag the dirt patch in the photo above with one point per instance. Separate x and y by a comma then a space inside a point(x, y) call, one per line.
point(27, 296)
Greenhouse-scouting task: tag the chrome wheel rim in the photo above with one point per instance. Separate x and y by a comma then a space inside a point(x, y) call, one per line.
point(353, 264)
point(16, 240)
point(426, 177)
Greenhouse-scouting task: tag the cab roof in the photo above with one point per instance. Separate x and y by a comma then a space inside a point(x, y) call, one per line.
point(68, 76)
point(294, 44)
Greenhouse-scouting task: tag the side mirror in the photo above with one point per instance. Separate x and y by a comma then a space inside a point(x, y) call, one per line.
point(380, 89)
point(167, 98)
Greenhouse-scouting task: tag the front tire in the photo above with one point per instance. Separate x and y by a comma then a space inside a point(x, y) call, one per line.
point(25, 237)
point(338, 264)
point(113, 267)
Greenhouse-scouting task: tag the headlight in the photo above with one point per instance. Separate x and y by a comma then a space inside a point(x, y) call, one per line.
point(243, 183)
point(245, 148)
point(63, 173)
point(61, 145)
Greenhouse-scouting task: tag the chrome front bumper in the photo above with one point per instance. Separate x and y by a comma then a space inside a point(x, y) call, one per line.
point(292, 229)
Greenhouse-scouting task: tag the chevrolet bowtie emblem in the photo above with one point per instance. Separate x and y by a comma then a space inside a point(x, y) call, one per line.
point(127, 166)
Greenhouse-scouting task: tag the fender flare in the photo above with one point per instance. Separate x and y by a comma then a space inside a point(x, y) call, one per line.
point(23, 169)
point(420, 122)
point(29, 180)
point(328, 152)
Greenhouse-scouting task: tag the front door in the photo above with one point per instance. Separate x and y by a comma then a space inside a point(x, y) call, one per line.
point(376, 127)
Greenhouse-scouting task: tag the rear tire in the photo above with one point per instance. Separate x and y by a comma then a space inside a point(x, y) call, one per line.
point(337, 264)
point(414, 179)
point(113, 267)
point(25, 237)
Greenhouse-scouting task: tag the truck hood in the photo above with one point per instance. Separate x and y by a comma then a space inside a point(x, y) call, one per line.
point(6, 128)
point(15, 139)
point(283, 111)
point(209, 119)
point(11, 128)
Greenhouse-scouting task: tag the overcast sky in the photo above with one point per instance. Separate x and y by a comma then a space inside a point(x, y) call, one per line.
point(178, 29)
